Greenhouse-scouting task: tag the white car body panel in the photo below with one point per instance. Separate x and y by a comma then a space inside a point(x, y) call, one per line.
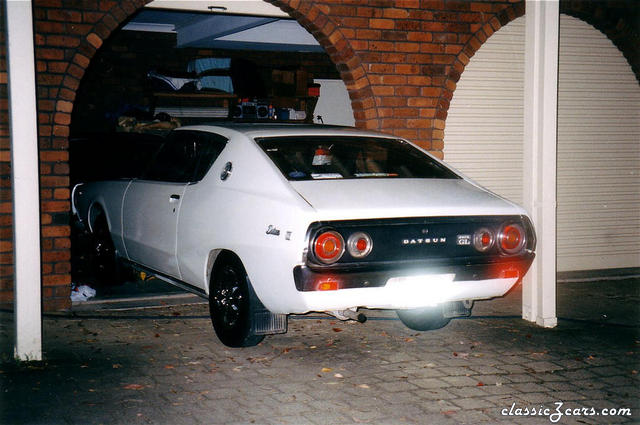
point(373, 198)
point(181, 238)
point(150, 214)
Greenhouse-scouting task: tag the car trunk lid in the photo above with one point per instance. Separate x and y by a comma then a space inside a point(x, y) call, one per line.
point(371, 198)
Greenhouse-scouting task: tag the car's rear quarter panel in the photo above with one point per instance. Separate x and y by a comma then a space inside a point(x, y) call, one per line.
point(235, 214)
point(106, 196)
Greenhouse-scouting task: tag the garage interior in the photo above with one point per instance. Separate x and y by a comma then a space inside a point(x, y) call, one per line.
point(165, 68)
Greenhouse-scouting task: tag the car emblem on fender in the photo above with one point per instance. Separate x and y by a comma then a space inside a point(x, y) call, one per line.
point(272, 230)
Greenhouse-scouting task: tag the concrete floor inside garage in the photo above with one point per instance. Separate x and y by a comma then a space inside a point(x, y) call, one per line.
point(155, 363)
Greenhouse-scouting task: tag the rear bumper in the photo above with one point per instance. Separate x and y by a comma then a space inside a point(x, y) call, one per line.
point(407, 292)
point(409, 286)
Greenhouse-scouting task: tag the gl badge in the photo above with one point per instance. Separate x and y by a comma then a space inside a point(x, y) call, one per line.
point(464, 240)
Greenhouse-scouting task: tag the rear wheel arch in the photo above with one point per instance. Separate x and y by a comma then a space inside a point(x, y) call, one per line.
point(96, 210)
point(212, 263)
point(103, 258)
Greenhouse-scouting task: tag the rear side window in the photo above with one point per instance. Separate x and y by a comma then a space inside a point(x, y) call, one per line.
point(327, 157)
point(185, 157)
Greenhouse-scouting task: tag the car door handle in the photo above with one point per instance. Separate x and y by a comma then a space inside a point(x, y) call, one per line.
point(174, 198)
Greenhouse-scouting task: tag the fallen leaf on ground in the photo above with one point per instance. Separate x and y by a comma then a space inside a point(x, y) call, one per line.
point(337, 330)
point(133, 387)
point(326, 369)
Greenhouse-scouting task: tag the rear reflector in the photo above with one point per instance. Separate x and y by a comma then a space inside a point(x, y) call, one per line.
point(359, 245)
point(483, 239)
point(508, 274)
point(327, 285)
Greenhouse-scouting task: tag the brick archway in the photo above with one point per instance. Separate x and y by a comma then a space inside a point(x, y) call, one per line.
point(65, 45)
point(62, 63)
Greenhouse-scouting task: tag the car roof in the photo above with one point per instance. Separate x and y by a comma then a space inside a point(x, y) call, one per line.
point(284, 129)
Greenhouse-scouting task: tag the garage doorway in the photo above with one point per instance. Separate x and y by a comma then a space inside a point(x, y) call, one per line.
point(598, 139)
point(168, 67)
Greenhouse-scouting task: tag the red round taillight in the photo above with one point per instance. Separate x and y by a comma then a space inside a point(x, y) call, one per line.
point(328, 246)
point(483, 239)
point(511, 238)
point(359, 245)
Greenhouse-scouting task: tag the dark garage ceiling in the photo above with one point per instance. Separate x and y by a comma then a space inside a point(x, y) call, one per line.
point(226, 31)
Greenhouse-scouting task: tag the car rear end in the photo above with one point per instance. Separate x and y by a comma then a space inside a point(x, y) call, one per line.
point(412, 262)
point(393, 227)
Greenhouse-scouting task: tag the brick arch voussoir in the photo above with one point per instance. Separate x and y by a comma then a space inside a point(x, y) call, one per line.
point(90, 44)
point(337, 46)
point(474, 43)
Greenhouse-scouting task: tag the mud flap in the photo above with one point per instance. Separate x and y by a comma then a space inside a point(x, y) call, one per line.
point(265, 322)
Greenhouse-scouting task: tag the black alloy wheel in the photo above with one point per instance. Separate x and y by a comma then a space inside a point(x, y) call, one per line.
point(231, 304)
point(104, 264)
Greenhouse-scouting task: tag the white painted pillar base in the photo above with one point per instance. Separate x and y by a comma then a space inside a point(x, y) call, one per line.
point(25, 181)
point(540, 142)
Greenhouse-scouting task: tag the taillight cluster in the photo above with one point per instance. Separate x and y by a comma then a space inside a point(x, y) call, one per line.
point(328, 245)
point(510, 239)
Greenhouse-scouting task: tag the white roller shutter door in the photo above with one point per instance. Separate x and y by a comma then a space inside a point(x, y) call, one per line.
point(598, 139)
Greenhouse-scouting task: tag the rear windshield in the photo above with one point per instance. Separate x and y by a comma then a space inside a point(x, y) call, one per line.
point(326, 157)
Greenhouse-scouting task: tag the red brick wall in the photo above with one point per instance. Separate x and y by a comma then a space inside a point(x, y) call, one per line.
point(400, 59)
point(6, 243)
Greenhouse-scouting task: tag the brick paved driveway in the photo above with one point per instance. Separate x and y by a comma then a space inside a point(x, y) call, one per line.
point(165, 366)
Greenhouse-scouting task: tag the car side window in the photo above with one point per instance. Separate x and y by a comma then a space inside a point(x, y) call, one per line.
point(185, 157)
point(211, 145)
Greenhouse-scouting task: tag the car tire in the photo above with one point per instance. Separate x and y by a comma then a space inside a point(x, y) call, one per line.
point(232, 304)
point(103, 262)
point(423, 319)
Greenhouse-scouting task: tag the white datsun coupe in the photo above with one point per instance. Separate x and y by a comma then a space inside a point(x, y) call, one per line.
point(269, 220)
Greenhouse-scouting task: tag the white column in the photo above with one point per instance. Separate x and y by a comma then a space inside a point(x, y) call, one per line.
point(540, 141)
point(25, 179)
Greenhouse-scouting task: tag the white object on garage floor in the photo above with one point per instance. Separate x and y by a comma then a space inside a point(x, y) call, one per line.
point(82, 293)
